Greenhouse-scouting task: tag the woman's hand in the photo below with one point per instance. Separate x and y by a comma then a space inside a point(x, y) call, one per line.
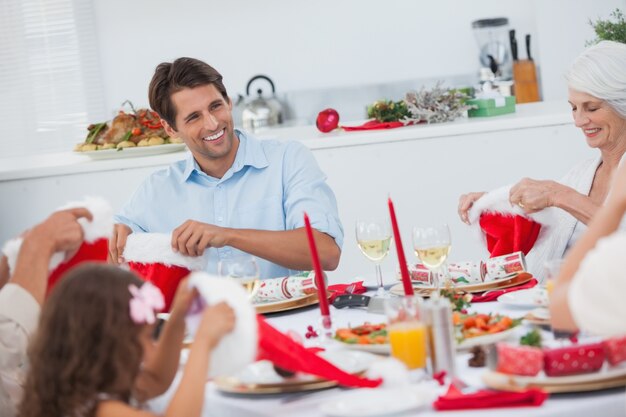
point(466, 201)
point(535, 195)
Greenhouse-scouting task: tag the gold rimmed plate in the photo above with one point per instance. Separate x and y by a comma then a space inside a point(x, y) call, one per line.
point(285, 305)
point(261, 378)
point(605, 379)
point(512, 281)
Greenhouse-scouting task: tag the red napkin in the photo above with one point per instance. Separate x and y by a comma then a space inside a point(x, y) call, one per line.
point(454, 399)
point(493, 295)
point(341, 289)
point(375, 124)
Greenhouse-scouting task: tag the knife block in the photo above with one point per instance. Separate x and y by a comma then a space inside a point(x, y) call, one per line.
point(525, 77)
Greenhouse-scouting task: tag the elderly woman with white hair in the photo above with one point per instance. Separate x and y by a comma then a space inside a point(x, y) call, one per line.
point(597, 95)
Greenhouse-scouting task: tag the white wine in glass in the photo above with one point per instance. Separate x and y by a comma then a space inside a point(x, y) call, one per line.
point(373, 238)
point(242, 269)
point(432, 246)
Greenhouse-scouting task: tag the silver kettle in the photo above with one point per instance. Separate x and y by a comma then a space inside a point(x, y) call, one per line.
point(260, 112)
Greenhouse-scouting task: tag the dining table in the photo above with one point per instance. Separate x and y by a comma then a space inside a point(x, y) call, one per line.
point(610, 402)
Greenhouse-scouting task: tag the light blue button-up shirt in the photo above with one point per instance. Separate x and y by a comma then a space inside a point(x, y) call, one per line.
point(269, 187)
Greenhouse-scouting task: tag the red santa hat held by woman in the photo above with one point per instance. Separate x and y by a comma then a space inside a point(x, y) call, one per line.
point(505, 227)
point(151, 256)
point(93, 249)
point(255, 339)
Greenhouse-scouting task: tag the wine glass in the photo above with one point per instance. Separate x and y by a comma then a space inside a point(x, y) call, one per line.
point(373, 238)
point(432, 246)
point(244, 270)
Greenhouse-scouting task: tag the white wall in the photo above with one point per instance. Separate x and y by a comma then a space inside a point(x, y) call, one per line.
point(328, 43)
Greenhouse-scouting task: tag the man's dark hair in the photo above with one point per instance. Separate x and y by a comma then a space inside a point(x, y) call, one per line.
point(170, 78)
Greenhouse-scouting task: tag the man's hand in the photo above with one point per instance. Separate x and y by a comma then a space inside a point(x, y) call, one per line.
point(192, 238)
point(60, 232)
point(466, 201)
point(535, 195)
point(118, 242)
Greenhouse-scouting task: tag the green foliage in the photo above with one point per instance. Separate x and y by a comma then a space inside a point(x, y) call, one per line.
point(387, 110)
point(532, 338)
point(612, 29)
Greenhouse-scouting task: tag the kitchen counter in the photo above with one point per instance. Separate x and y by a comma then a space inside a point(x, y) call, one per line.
point(424, 168)
point(527, 116)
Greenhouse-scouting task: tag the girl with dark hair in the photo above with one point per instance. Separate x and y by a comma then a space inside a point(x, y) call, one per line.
point(94, 354)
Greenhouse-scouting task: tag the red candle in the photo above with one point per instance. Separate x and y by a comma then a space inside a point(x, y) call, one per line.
point(404, 271)
point(319, 274)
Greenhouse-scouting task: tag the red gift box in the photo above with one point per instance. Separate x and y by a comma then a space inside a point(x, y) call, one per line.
point(519, 360)
point(571, 360)
point(615, 349)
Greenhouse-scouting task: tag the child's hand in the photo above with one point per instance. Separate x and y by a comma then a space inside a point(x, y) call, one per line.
point(217, 321)
point(182, 300)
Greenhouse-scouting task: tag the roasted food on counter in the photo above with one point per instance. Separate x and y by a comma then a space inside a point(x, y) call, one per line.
point(128, 129)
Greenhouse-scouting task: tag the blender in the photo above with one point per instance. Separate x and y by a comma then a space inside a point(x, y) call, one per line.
point(492, 36)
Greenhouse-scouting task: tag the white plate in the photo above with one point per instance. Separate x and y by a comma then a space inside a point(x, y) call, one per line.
point(385, 349)
point(486, 339)
point(262, 372)
point(133, 152)
point(530, 298)
point(374, 402)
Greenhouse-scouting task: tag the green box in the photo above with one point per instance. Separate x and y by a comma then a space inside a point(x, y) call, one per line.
point(487, 107)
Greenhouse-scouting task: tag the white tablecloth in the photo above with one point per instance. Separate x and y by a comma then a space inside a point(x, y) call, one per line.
point(597, 404)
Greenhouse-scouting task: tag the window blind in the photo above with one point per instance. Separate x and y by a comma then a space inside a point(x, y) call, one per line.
point(50, 83)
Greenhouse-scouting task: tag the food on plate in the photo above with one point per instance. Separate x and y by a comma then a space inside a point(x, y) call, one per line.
point(127, 129)
point(615, 348)
point(474, 325)
point(366, 334)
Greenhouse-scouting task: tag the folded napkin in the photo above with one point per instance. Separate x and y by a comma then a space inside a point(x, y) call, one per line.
point(375, 124)
point(493, 295)
point(341, 289)
point(454, 399)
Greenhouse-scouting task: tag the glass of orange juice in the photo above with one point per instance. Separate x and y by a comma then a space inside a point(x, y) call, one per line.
point(406, 331)
point(550, 271)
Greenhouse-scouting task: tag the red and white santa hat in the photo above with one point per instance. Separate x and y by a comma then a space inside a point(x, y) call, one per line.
point(93, 249)
point(151, 256)
point(253, 338)
point(505, 227)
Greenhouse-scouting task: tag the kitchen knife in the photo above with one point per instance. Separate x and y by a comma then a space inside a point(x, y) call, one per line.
point(513, 44)
point(530, 58)
point(372, 305)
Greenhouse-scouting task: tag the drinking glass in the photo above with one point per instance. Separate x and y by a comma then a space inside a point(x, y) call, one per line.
point(432, 245)
point(406, 330)
point(551, 270)
point(244, 270)
point(373, 238)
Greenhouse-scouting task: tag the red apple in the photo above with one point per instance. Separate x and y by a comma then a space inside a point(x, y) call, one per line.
point(327, 120)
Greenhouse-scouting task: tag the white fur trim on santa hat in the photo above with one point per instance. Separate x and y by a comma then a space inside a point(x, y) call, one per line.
point(237, 349)
point(497, 201)
point(102, 224)
point(393, 373)
point(149, 248)
point(100, 227)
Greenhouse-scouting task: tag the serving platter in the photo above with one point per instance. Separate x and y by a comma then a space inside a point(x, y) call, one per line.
point(133, 152)
point(385, 348)
point(507, 282)
point(261, 378)
point(607, 377)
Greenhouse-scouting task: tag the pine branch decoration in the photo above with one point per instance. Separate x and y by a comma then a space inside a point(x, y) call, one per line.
point(435, 106)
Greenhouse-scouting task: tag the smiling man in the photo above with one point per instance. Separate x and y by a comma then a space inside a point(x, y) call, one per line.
point(234, 193)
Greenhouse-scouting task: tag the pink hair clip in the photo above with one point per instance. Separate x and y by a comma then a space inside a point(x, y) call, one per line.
point(144, 302)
